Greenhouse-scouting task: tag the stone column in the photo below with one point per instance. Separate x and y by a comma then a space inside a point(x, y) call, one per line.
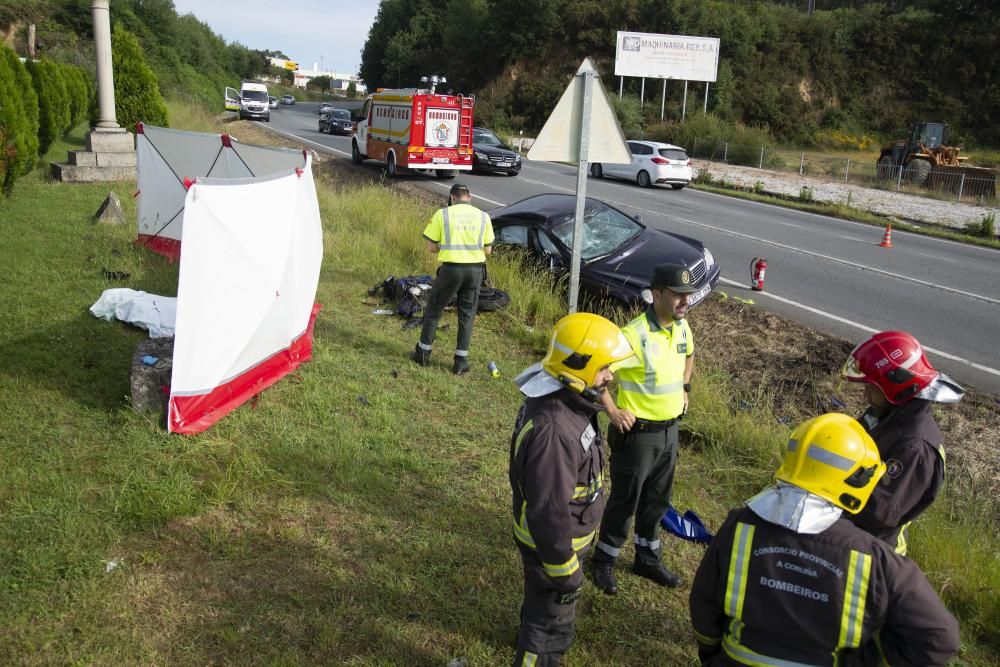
point(105, 77)
point(110, 149)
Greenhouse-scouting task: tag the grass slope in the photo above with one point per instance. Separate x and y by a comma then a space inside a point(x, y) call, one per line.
point(358, 513)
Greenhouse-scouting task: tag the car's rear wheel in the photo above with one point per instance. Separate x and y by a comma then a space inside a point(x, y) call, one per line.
point(643, 179)
point(678, 186)
point(355, 153)
point(596, 170)
point(390, 166)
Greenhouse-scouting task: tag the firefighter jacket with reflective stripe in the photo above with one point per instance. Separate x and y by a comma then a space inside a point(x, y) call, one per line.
point(556, 465)
point(766, 595)
point(461, 232)
point(911, 445)
point(655, 390)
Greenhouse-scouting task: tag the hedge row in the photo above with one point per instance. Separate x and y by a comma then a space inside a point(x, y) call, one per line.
point(63, 99)
point(39, 103)
point(18, 119)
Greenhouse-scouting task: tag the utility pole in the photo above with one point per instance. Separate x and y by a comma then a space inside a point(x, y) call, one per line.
point(812, 6)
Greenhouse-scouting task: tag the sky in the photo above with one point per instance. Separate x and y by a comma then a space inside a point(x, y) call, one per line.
point(327, 32)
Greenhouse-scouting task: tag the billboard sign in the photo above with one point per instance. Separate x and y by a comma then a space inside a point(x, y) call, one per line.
point(667, 56)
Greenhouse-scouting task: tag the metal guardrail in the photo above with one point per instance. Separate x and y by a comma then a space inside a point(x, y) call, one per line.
point(946, 183)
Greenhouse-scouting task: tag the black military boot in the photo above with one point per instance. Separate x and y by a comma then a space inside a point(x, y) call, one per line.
point(604, 576)
point(461, 365)
point(420, 356)
point(656, 572)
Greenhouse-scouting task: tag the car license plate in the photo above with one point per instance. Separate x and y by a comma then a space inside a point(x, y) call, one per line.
point(504, 164)
point(440, 160)
point(699, 295)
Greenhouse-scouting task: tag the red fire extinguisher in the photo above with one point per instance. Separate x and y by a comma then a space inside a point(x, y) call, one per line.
point(757, 269)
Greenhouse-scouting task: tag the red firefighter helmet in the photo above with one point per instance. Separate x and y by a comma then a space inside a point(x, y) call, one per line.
point(894, 362)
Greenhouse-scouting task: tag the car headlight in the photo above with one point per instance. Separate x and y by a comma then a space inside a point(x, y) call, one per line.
point(517, 159)
point(709, 258)
point(482, 156)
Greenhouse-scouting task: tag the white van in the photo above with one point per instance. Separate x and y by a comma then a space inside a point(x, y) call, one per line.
point(254, 102)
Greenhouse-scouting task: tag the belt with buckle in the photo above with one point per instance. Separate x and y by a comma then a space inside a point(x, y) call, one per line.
point(648, 426)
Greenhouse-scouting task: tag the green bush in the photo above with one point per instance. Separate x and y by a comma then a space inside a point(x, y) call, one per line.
point(711, 137)
point(137, 94)
point(18, 119)
point(53, 103)
point(79, 93)
point(629, 113)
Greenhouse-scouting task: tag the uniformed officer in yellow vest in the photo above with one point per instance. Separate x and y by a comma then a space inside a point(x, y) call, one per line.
point(462, 237)
point(642, 435)
point(788, 580)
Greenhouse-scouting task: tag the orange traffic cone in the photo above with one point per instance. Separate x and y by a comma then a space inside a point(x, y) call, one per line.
point(887, 237)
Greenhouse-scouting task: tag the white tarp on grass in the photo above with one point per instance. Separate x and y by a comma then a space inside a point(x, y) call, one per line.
point(152, 312)
point(167, 158)
point(246, 292)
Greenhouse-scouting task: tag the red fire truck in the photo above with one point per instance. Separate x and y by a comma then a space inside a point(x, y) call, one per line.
point(415, 129)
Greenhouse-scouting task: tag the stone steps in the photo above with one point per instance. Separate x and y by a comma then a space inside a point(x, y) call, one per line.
point(109, 156)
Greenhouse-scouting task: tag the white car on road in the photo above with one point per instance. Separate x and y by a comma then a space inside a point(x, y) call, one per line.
point(652, 162)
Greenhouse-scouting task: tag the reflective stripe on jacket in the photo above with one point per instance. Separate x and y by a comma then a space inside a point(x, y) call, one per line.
point(556, 464)
point(655, 390)
point(767, 596)
point(461, 232)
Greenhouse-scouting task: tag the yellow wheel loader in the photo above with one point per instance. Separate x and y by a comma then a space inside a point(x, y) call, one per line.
point(928, 161)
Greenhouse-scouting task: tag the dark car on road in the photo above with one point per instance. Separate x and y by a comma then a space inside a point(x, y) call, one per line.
point(336, 121)
point(619, 252)
point(490, 154)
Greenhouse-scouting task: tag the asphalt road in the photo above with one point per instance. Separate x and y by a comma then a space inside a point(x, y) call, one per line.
point(828, 274)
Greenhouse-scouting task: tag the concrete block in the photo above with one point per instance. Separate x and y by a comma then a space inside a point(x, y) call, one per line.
point(115, 141)
point(115, 159)
point(68, 173)
point(83, 159)
point(150, 380)
point(110, 211)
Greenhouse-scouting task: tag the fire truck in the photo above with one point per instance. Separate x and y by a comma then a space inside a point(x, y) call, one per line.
point(415, 129)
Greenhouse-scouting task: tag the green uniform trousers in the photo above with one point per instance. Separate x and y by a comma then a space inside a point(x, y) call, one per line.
point(642, 477)
point(454, 281)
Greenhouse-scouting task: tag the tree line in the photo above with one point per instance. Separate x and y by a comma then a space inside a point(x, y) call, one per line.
point(848, 65)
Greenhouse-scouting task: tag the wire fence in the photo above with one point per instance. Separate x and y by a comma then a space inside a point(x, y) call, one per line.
point(963, 184)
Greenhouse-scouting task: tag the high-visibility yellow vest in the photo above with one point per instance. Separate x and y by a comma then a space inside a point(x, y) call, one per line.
point(655, 390)
point(461, 232)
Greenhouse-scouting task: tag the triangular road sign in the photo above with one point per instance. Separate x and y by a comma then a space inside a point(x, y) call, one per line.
point(559, 140)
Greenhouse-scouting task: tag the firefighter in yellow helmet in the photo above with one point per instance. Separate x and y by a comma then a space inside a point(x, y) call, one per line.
point(556, 465)
point(789, 581)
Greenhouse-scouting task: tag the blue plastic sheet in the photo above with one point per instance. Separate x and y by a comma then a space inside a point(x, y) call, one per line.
point(688, 526)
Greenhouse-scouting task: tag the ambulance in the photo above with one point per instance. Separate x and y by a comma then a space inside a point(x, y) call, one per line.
point(415, 129)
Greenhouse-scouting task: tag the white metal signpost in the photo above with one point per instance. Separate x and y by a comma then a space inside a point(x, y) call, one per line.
point(582, 127)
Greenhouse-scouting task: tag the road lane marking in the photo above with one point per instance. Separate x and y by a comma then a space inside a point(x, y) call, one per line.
point(862, 327)
point(853, 222)
point(289, 135)
point(785, 246)
point(448, 187)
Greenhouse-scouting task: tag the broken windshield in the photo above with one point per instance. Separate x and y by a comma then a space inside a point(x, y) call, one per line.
point(604, 230)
